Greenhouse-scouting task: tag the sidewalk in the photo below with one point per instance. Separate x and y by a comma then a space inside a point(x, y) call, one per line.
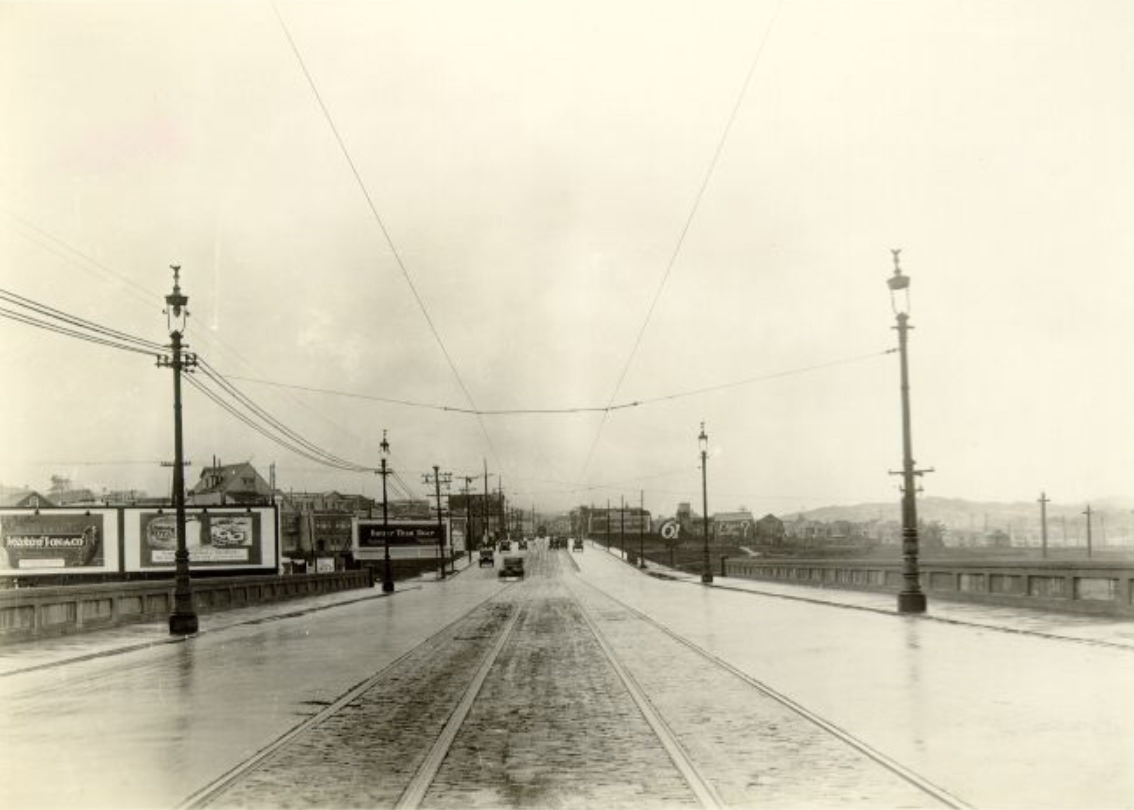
point(46, 652)
point(1070, 626)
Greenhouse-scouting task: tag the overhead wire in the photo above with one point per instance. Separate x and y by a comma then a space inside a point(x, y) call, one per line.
point(231, 409)
point(263, 414)
point(381, 224)
point(74, 320)
point(87, 263)
point(684, 230)
point(75, 333)
point(570, 409)
point(73, 326)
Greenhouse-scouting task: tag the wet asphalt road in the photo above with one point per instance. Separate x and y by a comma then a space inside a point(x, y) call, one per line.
point(993, 719)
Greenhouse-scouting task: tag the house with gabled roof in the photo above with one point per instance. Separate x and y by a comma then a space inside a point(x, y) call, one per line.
point(230, 485)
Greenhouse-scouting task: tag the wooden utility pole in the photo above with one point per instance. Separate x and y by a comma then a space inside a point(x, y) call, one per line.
point(1088, 514)
point(1043, 502)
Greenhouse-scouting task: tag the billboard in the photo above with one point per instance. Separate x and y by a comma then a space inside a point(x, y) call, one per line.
point(58, 541)
point(216, 538)
point(408, 539)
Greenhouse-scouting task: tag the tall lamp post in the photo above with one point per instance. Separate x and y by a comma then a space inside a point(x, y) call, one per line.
point(703, 441)
point(183, 619)
point(911, 599)
point(387, 576)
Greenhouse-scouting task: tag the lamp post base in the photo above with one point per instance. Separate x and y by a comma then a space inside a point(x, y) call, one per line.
point(911, 602)
point(182, 624)
point(388, 586)
point(707, 579)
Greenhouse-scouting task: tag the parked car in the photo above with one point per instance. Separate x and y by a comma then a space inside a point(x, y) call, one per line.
point(486, 557)
point(522, 545)
point(577, 545)
point(505, 545)
point(513, 567)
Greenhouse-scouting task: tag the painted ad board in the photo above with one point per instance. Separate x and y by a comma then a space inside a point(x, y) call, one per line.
point(407, 539)
point(58, 541)
point(216, 537)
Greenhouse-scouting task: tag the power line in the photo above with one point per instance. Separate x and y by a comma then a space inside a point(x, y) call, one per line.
point(74, 320)
point(31, 321)
point(684, 230)
point(298, 450)
point(115, 339)
point(150, 295)
point(251, 405)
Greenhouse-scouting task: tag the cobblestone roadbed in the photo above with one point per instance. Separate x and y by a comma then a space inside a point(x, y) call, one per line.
point(556, 723)
point(753, 750)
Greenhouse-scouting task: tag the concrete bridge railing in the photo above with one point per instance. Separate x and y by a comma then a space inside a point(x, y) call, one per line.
point(27, 613)
point(1082, 587)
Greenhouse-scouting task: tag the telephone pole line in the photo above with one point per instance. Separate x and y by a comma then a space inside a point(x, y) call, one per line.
point(1043, 502)
point(437, 479)
point(1088, 514)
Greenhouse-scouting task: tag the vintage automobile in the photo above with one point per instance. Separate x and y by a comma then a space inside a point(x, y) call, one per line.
point(522, 545)
point(577, 545)
point(505, 545)
point(513, 567)
point(486, 557)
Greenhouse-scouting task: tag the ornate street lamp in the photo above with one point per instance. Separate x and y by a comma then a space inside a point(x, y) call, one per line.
point(183, 619)
point(703, 440)
point(911, 599)
point(387, 577)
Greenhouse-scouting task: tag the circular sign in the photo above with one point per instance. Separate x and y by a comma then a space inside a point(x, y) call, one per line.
point(670, 530)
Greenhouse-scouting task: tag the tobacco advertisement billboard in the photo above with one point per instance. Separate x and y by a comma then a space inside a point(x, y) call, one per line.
point(58, 541)
point(216, 537)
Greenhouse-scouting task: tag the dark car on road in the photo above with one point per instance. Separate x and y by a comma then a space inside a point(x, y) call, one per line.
point(513, 567)
point(505, 545)
point(577, 545)
point(486, 557)
point(522, 545)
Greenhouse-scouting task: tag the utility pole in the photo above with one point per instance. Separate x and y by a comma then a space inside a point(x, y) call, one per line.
point(608, 524)
point(1088, 514)
point(486, 525)
point(1043, 502)
point(387, 576)
point(183, 619)
point(437, 479)
point(622, 527)
point(502, 523)
point(466, 491)
point(641, 528)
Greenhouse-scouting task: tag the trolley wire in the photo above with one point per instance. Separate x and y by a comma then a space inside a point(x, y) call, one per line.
point(382, 226)
point(684, 231)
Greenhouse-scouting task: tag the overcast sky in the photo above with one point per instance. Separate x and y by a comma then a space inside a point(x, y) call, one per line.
point(536, 166)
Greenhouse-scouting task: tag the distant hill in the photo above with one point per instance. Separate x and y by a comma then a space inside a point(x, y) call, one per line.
point(1112, 517)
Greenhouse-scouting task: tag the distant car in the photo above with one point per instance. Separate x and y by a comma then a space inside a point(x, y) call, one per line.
point(522, 545)
point(513, 567)
point(486, 557)
point(505, 545)
point(577, 545)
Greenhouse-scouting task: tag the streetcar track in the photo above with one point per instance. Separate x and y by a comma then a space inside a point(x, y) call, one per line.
point(213, 790)
point(415, 791)
point(903, 772)
point(702, 789)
